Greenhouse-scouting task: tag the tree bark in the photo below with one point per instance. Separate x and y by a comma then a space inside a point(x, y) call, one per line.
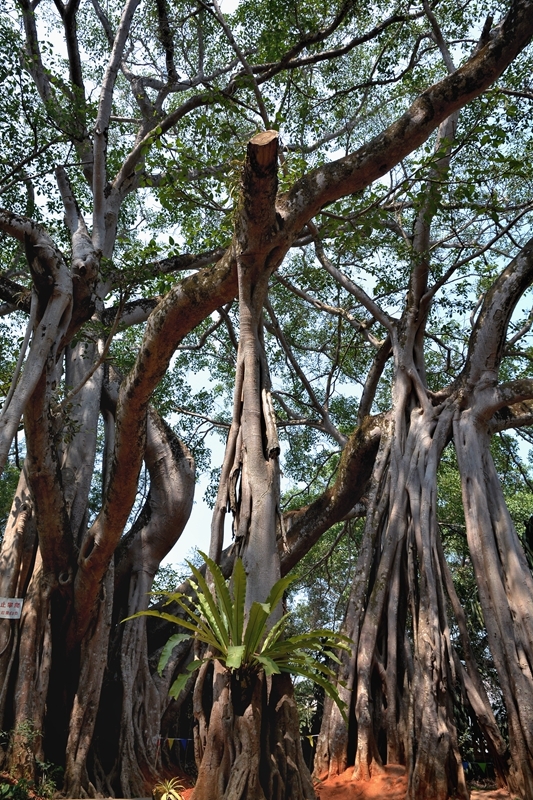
point(505, 590)
point(247, 738)
point(252, 749)
point(17, 558)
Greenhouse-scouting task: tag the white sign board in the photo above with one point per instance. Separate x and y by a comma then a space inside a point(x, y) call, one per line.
point(10, 607)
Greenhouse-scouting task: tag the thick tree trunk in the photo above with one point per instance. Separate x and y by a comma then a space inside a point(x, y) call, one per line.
point(45, 689)
point(253, 749)
point(403, 696)
point(505, 589)
point(333, 746)
point(79, 452)
point(167, 509)
point(405, 673)
point(33, 675)
point(124, 737)
point(79, 782)
point(17, 558)
point(247, 738)
point(420, 732)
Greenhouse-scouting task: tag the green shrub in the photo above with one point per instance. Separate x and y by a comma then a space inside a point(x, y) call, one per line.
point(217, 619)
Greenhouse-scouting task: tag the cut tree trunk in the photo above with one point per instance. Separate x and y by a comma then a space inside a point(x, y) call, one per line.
point(247, 736)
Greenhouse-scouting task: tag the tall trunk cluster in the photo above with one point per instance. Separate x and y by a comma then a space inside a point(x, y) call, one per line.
point(77, 686)
point(406, 675)
point(402, 678)
point(51, 695)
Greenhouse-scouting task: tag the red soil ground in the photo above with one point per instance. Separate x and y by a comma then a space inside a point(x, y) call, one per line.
point(391, 785)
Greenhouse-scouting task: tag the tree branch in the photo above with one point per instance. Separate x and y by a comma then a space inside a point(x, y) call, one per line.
point(290, 62)
point(53, 284)
point(320, 409)
point(102, 123)
point(185, 306)
point(347, 284)
point(487, 341)
point(355, 468)
point(354, 172)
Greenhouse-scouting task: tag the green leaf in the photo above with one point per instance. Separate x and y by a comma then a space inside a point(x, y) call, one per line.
point(211, 622)
point(235, 656)
point(223, 595)
point(213, 615)
point(210, 608)
point(239, 596)
point(174, 640)
point(150, 613)
point(328, 687)
point(200, 630)
point(277, 591)
point(275, 632)
point(178, 685)
point(332, 655)
point(270, 666)
point(181, 681)
point(255, 628)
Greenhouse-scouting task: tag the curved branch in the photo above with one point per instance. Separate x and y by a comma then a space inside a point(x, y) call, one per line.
point(53, 284)
point(126, 177)
point(511, 406)
point(164, 32)
point(105, 23)
point(355, 468)
point(358, 170)
point(34, 61)
point(184, 307)
point(519, 416)
point(487, 342)
point(168, 505)
point(372, 379)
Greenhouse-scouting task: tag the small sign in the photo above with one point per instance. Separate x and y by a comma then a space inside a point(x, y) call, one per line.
point(10, 607)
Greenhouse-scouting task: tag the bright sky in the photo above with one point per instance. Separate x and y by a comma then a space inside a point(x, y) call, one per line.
point(197, 532)
point(228, 6)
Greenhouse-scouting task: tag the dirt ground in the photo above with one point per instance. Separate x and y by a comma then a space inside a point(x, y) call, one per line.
point(391, 785)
